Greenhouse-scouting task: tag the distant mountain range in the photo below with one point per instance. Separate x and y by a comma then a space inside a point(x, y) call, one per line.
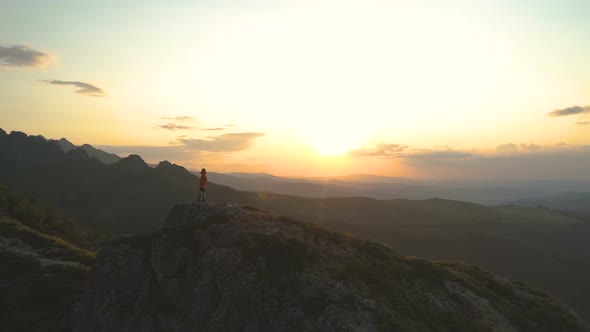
point(545, 248)
point(378, 187)
point(104, 157)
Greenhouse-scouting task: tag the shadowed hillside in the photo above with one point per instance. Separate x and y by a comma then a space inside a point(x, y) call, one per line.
point(124, 197)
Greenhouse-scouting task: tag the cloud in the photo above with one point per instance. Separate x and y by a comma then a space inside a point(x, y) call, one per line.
point(438, 154)
point(583, 123)
point(180, 118)
point(570, 111)
point(511, 147)
point(223, 143)
point(83, 88)
point(213, 129)
point(379, 150)
point(21, 56)
point(523, 162)
point(172, 126)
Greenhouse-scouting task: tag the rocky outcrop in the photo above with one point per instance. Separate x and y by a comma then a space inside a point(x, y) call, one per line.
point(221, 267)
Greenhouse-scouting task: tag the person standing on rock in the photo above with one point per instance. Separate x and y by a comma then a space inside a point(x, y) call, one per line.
point(202, 185)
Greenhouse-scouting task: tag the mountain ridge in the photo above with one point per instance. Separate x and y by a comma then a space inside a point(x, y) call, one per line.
point(103, 156)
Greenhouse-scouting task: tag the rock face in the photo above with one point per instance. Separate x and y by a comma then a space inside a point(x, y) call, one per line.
point(221, 267)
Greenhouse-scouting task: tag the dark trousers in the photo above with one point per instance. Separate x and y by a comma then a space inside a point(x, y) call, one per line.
point(202, 195)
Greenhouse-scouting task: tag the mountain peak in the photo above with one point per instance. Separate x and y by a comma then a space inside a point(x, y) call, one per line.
point(164, 163)
point(132, 162)
point(18, 135)
point(104, 157)
point(78, 154)
point(224, 267)
point(66, 145)
point(167, 166)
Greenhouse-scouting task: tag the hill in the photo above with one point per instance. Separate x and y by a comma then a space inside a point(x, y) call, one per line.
point(218, 267)
point(570, 201)
point(378, 187)
point(42, 269)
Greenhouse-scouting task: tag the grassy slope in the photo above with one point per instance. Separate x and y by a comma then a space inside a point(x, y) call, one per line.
point(42, 271)
point(38, 286)
point(46, 220)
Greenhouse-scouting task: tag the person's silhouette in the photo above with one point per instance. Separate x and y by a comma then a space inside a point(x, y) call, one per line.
point(202, 185)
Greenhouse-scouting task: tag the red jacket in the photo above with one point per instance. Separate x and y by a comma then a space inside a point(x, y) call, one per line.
point(203, 181)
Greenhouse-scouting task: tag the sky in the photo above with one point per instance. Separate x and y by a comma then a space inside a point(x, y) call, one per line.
point(424, 89)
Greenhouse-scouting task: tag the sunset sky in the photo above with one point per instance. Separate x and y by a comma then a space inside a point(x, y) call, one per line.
point(426, 89)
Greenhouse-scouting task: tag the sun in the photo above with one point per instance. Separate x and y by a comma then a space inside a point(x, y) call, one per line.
point(329, 145)
point(330, 149)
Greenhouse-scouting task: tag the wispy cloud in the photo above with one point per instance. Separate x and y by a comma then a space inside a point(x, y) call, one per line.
point(22, 56)
point(379, 150)
point(508, 147)
point(583, 123)
point(173, 126)
point(180, 118)
point(222, 143)
point(83, 88)
point(213, 129)
point(511, 147)
point(523, 162)
point(570, 111)
point(446, 153)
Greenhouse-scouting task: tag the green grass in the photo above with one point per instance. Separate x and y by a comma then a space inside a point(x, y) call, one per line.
point(30, 212)
point(10, 228)
point(46, 270)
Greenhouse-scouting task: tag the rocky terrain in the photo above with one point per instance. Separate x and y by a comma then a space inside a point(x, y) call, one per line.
point(223, 267)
